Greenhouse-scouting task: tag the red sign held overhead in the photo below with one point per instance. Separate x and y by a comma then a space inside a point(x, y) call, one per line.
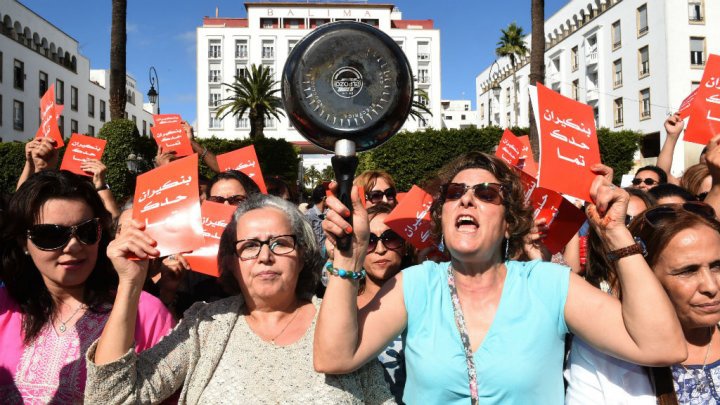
point(562, 218)
point(215, 218)
point(244, 160)
point(704, 121)
point(509, 148)
point(527, 160)
point(568, 144)
point(167, 200)
point(49, 118)
point(411, 218)
point(79, 149)
point(686, 106)
point(164, 119)
point(172, 138)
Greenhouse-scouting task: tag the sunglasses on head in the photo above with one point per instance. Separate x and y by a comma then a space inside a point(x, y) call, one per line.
point(486, 192)
point(655, 215)
point(53, 237)
point(232, 200)
point(376, 196)
point(389, 238)
point(648, 181)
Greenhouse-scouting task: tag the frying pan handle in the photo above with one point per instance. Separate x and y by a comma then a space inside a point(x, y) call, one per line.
point(344, 167)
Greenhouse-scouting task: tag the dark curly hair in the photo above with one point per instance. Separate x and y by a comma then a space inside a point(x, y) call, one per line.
point(22, 278)
point(518, 214)
point(245, 181)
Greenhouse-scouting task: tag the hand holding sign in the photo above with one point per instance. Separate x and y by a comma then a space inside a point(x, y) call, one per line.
point(705, 111)
point(215, 218)
point(132, 244)
point(48, 118)
point(172, 138)
point(411, 218)
point(80, 149)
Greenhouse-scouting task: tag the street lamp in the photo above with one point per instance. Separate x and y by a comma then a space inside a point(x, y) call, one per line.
point(495, 89)
point(136, 164)
point(154, 96)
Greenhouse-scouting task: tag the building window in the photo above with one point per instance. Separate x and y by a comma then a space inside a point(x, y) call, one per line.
point(642, 20)
point(694, 86)
point(507, 120)
point(214, 49)
point(1, 108)
point(271, 69)
point(242, 123)
point(574, 58)
point(616, 35)
point(422, 100)
point(102, 110)
point(423, 50)
point(241, 48)
point(268, 23)
point(467, 107)
point(18, 115)
point(507, 96)
point(644, 104)
point(91, 105)
point(73, 126)
point(214, 100)
point(43, 83)
point(134, 120)
point(73, 98)
point(423, 75)
point(59, 91)
point(144, 127)
point(697, 51)
point(400, 43)
point(91, 130)
point(448, 118)
point(19, 75)
point(696, 12)
point(130, 96)
point(268, 49)
point(269, 122)
point(618, 112)
point(61, 125)
point(291, 44)
point(215, 122)
point(644, 61)
point(575, 92)
point(482, 111)
point(214, 76)
point(1, 65)
point(617, 73)
point(241, 70)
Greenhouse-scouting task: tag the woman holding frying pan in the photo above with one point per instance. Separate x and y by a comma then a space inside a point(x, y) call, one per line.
point(480, 327)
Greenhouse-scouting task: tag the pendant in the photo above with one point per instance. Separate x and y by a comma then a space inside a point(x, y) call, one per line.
point(701, 379)
point(62, 328)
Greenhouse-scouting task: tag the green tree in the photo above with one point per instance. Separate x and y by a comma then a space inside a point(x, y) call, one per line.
point(118, 75)
point(419, 105)
point(253, 94)
point(122, 139)
point(327, 174)
point(312, 177)
point(512, 45)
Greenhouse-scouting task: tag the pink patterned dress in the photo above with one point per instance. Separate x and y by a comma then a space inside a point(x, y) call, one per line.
point(52, 368)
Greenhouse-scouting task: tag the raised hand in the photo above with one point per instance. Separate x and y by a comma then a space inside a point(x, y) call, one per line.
point(98, 170)
point(674, 126)
point(130, 251)
point(337, 224)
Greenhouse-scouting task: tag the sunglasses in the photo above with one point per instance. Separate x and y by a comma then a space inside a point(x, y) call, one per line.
point(376, 196)
point(654, 216)
point(232, 200)
point(701, 196)
point(486, 192)
point(54, 237)
point(648, 181)
point(389, 238)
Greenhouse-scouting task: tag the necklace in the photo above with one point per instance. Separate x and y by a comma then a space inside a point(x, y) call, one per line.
point(464, 337)
point(297, 311)
point(699, 374)
point(63, 325)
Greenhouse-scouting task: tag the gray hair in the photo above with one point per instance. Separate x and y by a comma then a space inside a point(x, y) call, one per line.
point(306, 244)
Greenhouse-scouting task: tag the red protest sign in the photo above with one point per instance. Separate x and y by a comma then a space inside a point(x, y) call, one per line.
point(685, 107)
point(164, 119)
point(79, 149)
point(568, 144)
point(215, 218)
point(562, 218)
point(509, 148)
point(527, 160)
point(172, 138)
point(528, 182)
point(411, 218)
point(167, 200)
point(704, 121)
point(48, 118)
point(244, 160)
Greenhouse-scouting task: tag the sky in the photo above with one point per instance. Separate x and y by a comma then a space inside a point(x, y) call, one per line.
point(162, 33)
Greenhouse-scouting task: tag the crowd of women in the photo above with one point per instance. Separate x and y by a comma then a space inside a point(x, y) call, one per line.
point(90, 313)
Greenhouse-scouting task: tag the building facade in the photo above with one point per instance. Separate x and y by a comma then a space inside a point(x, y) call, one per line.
point(35, 54)
point(456, 114)
point(633, 61)
point(227, 47)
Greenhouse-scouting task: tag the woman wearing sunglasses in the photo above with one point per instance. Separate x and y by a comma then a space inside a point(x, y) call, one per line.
point(481, 328)
point(378, 186)
point(253, 347)
point(59, 287)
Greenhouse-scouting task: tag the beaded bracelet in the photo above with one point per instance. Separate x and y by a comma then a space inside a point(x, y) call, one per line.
point(353, 275)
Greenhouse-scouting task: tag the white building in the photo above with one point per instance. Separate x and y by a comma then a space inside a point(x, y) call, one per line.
point(456, 114)
point(227, 47)
point(35, 54)
point(633, 61)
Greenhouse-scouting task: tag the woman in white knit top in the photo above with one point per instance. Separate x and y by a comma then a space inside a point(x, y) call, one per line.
point(254, 347)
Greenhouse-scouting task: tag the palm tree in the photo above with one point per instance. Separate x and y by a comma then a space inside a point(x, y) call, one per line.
point(512, 44)
point(312, 176)
point(327, 174)
point(419, 105)
point(118, 42)
point(537, 63)
point(254, 94)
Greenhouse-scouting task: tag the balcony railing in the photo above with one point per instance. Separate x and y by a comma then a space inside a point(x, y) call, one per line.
point(643, 30)
point(592, 57)
point(423, 56)
point(618, 83)
point(645, 114)
point(645, 68)
point(592, 94)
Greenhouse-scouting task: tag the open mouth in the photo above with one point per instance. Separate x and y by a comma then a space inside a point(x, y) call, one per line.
point(466, 223)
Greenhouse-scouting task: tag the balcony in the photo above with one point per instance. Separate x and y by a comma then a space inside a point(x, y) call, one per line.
point(645, 114)
point(617, 83)
point(645, 68)
point(592, 57)
point(592, 95)
point(423, 56)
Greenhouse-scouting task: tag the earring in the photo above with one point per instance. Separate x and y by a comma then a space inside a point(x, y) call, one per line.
point(27, 253)
point(507, 248)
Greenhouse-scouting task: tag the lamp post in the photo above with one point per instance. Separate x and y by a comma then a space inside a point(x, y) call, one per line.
point(495, 89)
point(153, 95)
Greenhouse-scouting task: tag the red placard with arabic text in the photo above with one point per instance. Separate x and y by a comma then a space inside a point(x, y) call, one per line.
point(509, 148)
point(167, 200)
point(49, 118)
point(411, 218)
point(215, 218)
point(528, 163)
point(568, 144)
point(79, 149)
point(562, 218)
point(244, 160)
point(172, 138)
point(528, 182)
point(164, 119)
point(704, 121)
point(686, 106)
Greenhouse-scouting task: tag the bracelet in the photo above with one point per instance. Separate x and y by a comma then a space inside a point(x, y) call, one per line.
point(202, 156)
point(347, 274)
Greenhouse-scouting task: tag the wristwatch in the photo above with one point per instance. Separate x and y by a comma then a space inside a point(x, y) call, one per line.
point(103, 187)
point(637, 248)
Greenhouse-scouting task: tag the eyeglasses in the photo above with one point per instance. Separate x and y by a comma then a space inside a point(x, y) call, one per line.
point(654, 216)
point(376, 196)
point(53, 237)
point(648, 181)
point(389, 238)
point(486, 192)
point(232, 200)
point(248, 249)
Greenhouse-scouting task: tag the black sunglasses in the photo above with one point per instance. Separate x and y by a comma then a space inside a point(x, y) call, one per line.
point(232, 200)
point(648, 181)
point(389, 238)
point(655, 215)
point(486, 192)
point(376, 196)
point(53, 237)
